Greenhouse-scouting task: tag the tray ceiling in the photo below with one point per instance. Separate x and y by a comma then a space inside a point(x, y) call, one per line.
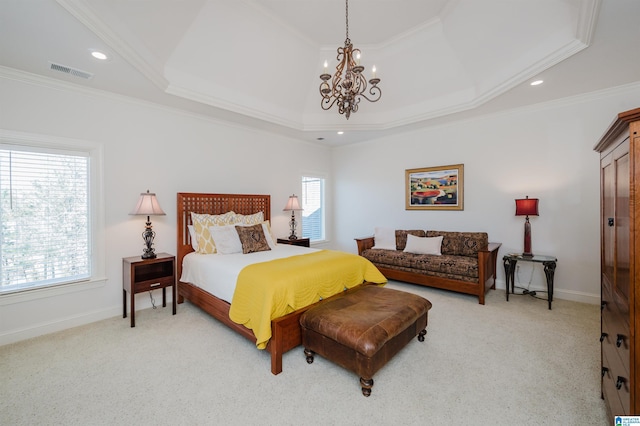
point(259, 62)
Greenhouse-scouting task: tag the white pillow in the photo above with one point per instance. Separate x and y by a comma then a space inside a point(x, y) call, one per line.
point(423, 245)
point(266, 227)
point(385, 238)
point(226, 239)
point(194, 238)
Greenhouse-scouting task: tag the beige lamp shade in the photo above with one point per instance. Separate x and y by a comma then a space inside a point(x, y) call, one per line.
point(292, 204)
point(148, 205)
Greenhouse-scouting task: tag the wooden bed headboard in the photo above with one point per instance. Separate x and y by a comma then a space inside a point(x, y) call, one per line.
point(213, 204)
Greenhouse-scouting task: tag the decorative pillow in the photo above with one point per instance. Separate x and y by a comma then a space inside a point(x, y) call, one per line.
point(450, 242)
point(252, 238)
point(462, 243)
point(226, 239)
point(384, 238)
point(401, 236)
point(201, 224)
point(423, 245)
point(249, 219)
point(192, 235)
point(268, 234)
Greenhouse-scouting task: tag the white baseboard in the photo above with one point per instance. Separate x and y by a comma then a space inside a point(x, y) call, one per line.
point(89, 317)
point(36, 330)
point(558, 293)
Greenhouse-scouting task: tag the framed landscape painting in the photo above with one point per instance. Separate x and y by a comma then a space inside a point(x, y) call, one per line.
point(435, 188)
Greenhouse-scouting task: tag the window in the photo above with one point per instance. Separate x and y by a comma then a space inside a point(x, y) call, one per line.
point(313, 222)
point(47, 230)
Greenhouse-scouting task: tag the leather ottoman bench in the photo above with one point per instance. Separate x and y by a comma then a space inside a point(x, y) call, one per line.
point(362, 330)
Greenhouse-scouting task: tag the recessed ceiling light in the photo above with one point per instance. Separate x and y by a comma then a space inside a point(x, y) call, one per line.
point(98, 55)
point(341, 132)
point(537, 82)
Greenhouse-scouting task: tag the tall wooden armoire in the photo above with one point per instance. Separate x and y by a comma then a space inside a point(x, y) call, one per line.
point(619, 151)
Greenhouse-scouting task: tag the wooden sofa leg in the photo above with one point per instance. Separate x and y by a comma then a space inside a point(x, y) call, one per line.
point(421, 335)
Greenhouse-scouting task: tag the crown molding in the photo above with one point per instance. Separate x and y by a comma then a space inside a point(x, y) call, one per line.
point(81, 10)
point(55, 84)
point(232, 107)
point(587, 19)
point(422, 119)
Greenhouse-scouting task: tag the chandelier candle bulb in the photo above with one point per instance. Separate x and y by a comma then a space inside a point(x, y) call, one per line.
point(373, 71)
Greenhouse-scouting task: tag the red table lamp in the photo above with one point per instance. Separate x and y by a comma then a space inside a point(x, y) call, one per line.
point(527, 207)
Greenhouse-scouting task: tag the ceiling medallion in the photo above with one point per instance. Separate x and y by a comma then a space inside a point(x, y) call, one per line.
point(348, 85)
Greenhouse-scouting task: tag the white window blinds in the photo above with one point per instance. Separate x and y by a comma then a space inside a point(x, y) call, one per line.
point(44, 216)
point(313, 222)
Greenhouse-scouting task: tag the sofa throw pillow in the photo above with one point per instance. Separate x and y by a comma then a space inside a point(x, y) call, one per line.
point(252, 238)
point(226, 239)
point(423, 245)
point(401, 236)
point(385, 239)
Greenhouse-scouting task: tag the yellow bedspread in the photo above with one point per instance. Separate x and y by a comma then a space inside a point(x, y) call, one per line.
point(272, 289)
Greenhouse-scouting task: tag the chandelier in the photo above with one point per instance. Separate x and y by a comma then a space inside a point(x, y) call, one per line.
point(348, 85)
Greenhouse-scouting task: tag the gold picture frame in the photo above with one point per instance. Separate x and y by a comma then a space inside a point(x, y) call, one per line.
point(435, 188)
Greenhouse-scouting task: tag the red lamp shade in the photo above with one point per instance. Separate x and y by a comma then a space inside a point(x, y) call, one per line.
point(527, 207)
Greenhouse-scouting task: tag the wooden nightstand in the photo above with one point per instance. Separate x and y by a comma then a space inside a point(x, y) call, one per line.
point(140, 275)
point(302, 242)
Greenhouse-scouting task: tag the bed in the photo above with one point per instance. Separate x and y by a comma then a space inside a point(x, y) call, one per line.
point(285, 331)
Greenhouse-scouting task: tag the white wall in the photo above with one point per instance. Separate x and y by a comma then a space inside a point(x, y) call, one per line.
point(145, 147)
point(544, 151)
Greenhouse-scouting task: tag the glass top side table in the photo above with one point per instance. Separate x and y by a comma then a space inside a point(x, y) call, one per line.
point(549, 263)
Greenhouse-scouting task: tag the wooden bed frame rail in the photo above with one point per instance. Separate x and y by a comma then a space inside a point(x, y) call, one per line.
point(285, 331)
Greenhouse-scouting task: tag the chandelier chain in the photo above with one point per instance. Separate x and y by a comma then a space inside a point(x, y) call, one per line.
point(346, 17)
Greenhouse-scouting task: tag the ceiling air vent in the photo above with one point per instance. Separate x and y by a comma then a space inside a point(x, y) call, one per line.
point(72, 71)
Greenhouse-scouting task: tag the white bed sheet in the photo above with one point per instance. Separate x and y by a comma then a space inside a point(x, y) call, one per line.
point(218, 273)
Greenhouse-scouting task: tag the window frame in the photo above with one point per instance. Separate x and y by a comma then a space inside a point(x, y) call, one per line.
point(315, 175)
point(94, 152)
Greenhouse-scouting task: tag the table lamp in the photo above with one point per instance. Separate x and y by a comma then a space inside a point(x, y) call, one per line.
point(292, 206)
point(148, 205)
point(527, 207)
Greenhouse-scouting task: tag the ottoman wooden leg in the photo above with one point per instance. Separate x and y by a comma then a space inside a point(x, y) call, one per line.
point(310, 354)
point(367, 384)
point(421, 335)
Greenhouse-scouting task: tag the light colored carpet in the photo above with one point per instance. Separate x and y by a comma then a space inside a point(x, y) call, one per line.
point(505, 363)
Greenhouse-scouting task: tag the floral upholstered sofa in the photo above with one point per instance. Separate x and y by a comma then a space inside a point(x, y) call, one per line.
point(464, 262)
